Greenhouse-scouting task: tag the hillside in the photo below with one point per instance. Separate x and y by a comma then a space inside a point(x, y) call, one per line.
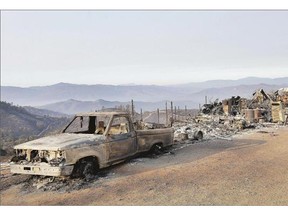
point(18, 125)
point(44, 112)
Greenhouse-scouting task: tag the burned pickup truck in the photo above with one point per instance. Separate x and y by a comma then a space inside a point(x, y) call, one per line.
point(91, 141)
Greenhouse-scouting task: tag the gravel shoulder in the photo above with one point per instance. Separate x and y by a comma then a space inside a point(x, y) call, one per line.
point(249, 169)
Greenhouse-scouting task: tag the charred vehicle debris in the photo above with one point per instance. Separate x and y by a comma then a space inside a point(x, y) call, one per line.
point(96, 140)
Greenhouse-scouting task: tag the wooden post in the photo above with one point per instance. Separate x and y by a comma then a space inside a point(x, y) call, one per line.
point(141, 115)
point(185, 112)
point(175, 112)
point(132, 110)
point(158, 115)
point(166, 109)
point(172, 111)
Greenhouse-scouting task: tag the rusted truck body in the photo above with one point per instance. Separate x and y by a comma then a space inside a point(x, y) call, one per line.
point(91, 141)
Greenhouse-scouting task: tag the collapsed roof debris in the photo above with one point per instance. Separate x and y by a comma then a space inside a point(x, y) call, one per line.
point(233, 115)
point(282, 95)
point(213, 108)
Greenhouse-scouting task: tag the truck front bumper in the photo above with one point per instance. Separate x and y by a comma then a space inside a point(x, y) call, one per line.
point(41, 169)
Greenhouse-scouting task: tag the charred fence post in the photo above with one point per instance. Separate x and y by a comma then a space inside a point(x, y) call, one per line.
point(132, 110)
point(171, 111)
point(175, 112)
point(166, 109)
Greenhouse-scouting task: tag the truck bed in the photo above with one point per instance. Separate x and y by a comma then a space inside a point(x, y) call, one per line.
point(147, 138)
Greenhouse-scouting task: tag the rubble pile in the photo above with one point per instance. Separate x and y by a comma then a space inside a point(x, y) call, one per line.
point(140, 125)
point(212, 108)
point(234, 105)
point(282, 95)
point(231, 116)
point(210, 126)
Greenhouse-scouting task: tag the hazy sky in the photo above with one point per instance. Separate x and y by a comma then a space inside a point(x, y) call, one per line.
point(141, 47)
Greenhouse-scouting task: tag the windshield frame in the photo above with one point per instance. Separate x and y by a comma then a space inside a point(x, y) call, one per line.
point(90, 116)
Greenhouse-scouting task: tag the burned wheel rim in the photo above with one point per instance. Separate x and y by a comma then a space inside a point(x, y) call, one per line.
point(89, 169)
point(198, 135)
point(85, 168)
point(156, 149)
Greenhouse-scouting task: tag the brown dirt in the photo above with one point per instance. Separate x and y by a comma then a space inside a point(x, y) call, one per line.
point(250, 169)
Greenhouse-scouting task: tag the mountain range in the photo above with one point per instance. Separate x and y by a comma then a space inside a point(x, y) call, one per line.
point(70, 98)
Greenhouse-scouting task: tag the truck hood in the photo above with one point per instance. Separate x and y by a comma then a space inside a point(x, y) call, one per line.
point(62, 141)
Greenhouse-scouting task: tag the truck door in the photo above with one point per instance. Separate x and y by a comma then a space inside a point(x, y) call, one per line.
point(122, 139)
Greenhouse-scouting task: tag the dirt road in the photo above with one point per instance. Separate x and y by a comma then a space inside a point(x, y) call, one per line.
point(250, 169)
